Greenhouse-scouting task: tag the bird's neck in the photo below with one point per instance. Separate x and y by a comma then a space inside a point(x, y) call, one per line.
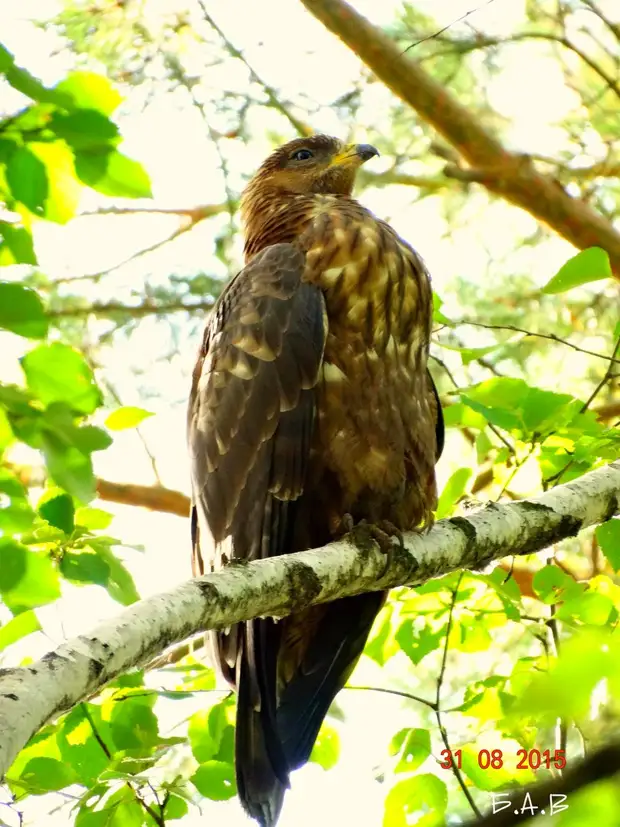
point(274, 216)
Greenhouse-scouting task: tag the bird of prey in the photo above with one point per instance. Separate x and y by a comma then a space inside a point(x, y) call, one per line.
point(311, 409)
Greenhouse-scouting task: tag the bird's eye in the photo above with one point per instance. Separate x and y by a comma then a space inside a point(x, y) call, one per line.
point(301, 155)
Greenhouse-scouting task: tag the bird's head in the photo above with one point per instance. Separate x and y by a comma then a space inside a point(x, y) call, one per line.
point(317, 164)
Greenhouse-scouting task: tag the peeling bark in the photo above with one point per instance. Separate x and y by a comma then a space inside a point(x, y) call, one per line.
point(511, 175)
point(32, 695)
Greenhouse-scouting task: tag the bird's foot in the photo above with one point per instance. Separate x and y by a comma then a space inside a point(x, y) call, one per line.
point(383, 532)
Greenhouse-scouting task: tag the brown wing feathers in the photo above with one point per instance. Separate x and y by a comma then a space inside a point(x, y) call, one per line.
point(251, 421)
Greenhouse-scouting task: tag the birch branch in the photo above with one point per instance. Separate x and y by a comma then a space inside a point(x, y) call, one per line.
point(510, 175)
point(32, 695)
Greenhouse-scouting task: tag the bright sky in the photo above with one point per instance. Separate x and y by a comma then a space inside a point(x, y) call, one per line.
point(170, 141)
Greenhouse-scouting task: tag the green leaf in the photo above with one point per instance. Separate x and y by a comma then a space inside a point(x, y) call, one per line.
point(215, 780)
point(58, 373)
point(416, 644)
point(552, 585)
point(203, 743)
point(79, 746)
point(566, 689)
point(59, 420)
point(452, 492)
point(133, 724)
point(85, 128)
point(514, 405)
point(121, 810)
point(438, 315)
point(64, 189)
point(473, 636)
point(18, 247)
point(501, 416)
point(89, 438)
point(27, 178)
point(126, 417)
point(413, 747)
point(112, 173)
point(24, 82)
point(69, 468)
point(85, 567)
point(18, 627)
point(7, 147)
point(46, 774)
point(88, 90)
point(93, 518)
point(424, 797)
point(57, 508)
point(608, 536)
point(588, 265)
point(12, 563)
point(6, 435)
point(382, 644)
point(21, 311)
point(16, 514)
point(208, 732)
point(120, 584)
point(590, 607)
point(176, 807)
point(27, 578)
point(326, 750)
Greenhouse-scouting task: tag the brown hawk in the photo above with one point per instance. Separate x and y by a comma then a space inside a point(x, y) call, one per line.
point(311, 403)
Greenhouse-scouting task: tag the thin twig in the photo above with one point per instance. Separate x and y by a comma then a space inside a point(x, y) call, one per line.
point(561, 734)
point(158, 818)
point(431, 704)
point(605, 379)
point(551, 336)
point(440, 679)
point(137, 311)
point(95, 731)
point(272, 97)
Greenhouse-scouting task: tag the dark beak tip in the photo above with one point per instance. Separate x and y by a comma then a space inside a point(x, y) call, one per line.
point(366, 151)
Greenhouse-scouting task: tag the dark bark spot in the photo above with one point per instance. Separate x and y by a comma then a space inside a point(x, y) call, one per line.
point(466, 528)
point(10, 695)
point(95, 668)
point(570, 526)
point(52, 659)
point(209, 592)
point(304, 585)
point(613, 509)
point(526, 505)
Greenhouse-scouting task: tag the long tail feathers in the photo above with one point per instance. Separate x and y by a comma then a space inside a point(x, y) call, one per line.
point(260, 789)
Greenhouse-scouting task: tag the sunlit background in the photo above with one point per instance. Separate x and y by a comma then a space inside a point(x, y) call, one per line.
point(197, 113)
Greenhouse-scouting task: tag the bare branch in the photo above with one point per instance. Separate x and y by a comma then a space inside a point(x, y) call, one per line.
point(32, 695)
point(512, 176)
point(153, 497)
point(136, 311)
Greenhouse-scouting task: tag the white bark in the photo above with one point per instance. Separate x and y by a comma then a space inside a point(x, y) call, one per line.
point(32, 695)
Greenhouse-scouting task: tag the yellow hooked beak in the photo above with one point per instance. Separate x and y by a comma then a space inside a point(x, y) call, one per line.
point(354, 155)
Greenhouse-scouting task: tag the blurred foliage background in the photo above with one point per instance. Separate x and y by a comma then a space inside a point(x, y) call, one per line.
point(128, 129)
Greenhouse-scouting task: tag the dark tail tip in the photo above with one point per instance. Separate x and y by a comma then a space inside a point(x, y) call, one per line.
point(264, 806)
point(261, 790)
